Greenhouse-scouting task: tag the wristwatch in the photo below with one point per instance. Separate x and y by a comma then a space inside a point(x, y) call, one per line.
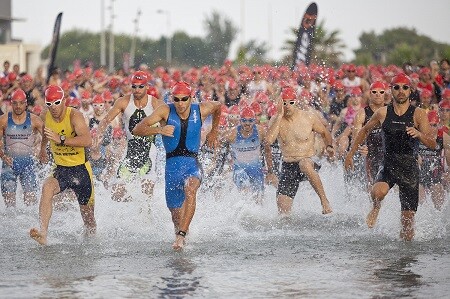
point(62, 138)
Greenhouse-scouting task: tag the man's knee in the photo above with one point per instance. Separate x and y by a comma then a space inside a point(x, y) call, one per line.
point(380, 190)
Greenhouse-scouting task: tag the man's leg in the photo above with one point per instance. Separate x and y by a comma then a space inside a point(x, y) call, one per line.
point(87, 213)
point(307, 167)
point(284, 204)
point(10, 199)
point(49, 189)
point(29, 198)
point(379, 191)
point(407, 232)
point(186, 213)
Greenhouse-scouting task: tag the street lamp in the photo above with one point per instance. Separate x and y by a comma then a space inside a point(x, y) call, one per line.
point(169, 38)
point(111, 39)
point(133, 41)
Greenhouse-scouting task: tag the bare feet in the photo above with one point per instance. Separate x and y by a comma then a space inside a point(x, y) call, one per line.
point(179, 243)
point(326, 208)
point(39, 237)
point(372, 217)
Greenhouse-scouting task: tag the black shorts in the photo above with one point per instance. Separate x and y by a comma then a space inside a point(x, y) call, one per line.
point(431, 171)
point(374, 161)
point(290, 178)
point(405, 173)
point(79, 179)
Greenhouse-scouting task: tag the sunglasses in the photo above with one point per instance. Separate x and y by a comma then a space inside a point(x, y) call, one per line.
point(434, 125)
point(247, 120)
point(55, 103)
point(98, 105)
point(377, 91)
point(137, 86)
point(397, 87)
point(183, 99)
point(351, 71)
point(289, 102)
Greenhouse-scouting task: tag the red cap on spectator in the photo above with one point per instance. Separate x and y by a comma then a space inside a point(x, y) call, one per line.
point(85, 95)
point(65, 85)
point(54, 93)
point(114, 83)
point(26, 77)
point(425, 93)
point(247, 112)
point(232, 84)
point(78, 73)
point(4, 81)
point(356, 91)
point(262, 97)
point(446, 94)
point(233, 110)
point(433, 117)
point(12, 77)
point(98, 99)
point(400, 78)
point(19, 95)
point(139, 77)
point(153, 91)
point(378, 85)
point(182, 88)
point(288, 93)
point(444, 104)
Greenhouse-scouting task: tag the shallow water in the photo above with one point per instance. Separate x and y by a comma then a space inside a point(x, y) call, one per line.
point(235, 248)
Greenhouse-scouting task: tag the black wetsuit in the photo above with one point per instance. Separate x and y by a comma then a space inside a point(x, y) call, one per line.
point(374, 142)
point(400, 164)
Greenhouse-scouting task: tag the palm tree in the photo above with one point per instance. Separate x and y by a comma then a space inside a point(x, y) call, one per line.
point(327, 47)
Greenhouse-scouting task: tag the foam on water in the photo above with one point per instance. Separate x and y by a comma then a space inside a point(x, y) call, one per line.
point(235, 247)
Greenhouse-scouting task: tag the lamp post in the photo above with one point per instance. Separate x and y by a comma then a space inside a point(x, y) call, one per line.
point(102, 34)
point(111, 39)
point(133, 41)
point(168, 38)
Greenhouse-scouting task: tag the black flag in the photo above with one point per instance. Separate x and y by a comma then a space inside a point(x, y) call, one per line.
point(54, 46)
point(305, 37)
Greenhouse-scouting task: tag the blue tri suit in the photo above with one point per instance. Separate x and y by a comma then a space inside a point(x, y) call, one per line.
point(181, 154)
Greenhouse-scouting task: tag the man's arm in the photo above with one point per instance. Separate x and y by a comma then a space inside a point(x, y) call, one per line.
point(208, 108)
point(116, 109)
point(424, 133)
point(274, 124)
point(319, 128)
point(374, 121)
point(83, 135)
point(267, 150)
point(145, 126)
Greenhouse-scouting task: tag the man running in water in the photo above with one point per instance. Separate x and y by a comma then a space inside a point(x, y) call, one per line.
point(137, 163)
point(403, 125)
point(182, 121)
point(69, 136)
point(373, 149)
point(294, 129)
point(246, 140)
point(18, 132)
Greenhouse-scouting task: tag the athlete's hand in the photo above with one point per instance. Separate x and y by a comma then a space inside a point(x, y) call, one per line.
point(52, 135)
point(413, 132)
point(8, 160)
point(280, 106)
point(43, 156)
point(272, 179)
point(330, 152)
point(348, 163)
point(363, 150)
point(167, 130)
point(212, 139)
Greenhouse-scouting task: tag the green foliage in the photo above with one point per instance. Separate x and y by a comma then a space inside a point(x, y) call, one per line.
point(397, 46)
point(252, 53)
point(186, 50)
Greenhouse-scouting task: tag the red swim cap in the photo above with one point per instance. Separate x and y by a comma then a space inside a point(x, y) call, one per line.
point(400, 78)
point(18, 95)
point(139, 77)
point(247, 113)
point(378, 85)
point(433, 117)
point(98, 99)
point(425, 93)
point(181, 88)
point(54, 93)
point(288, 93)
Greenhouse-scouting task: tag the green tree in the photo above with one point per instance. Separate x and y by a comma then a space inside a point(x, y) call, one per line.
point(220, 33)
point(327, 47)
point(252, 53)
point(397, 46)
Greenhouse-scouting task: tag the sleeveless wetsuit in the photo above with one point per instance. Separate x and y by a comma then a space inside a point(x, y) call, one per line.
point(137, 159)
point(19, 145)
point(72, 171)
point(181, 154)
point(247, 162)
point(432, 166)
point(400, 158)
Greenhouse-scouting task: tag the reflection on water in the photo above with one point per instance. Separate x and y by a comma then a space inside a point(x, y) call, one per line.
point(182, 282)
point(396, 277)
